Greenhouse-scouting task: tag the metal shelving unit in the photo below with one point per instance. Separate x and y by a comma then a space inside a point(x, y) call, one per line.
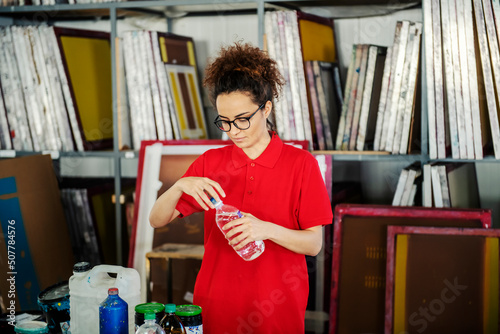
point(108, 163)
point(118, 164)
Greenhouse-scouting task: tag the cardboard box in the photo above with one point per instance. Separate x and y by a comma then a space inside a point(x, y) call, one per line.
point(184, 272)
point(35, 249)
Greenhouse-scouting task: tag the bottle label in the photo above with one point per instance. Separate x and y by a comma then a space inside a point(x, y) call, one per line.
point(194, 329)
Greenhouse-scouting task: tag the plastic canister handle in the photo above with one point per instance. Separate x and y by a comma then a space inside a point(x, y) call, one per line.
point(101, 271)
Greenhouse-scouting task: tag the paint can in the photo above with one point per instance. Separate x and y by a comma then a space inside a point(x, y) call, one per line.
point(8, 320)
point(31, 327)
point(54, 303)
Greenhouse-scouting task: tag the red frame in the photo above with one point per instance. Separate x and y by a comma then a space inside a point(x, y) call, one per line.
point(140, 168)
point(343, 210)
point(392, 231)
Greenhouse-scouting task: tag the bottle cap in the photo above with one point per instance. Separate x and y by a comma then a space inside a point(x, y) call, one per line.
point(112, 291)
point(170, 308)
point(216, 203)
point(188, 310)
point(149, 316)
point(81, 267)
point(149, 308)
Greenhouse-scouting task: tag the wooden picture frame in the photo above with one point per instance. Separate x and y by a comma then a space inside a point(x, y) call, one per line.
point(86, 57)
point(442, 280)
point(359, 258)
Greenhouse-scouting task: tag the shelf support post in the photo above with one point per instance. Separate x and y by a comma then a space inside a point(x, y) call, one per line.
point(116, 148)
point(260, 22)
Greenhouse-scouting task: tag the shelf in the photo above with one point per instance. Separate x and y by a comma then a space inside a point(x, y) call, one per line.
point(485, 159)
point(88, 164)
point(173, 9)
point(160, 4)
point(370, 156)
point(56, 154)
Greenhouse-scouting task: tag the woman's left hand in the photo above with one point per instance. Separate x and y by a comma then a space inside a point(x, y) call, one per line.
point(240, 232)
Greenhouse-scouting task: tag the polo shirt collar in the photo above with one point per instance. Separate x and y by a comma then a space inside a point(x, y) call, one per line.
point(268, 158)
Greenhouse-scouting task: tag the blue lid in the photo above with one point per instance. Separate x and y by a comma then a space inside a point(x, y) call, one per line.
point(216, 203)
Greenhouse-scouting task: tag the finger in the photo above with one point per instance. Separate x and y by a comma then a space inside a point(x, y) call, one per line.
point(232, 224)
point(241, 244)
point(209, 197)
point(218, 191)
point(236, 240)
point(237, 234)
point(201, 202)
point(206, 198)
point(229, 233)
point(230, 229)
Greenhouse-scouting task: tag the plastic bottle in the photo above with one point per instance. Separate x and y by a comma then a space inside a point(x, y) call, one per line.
point(113, 314)
point(89, 287)
point(76, 307)
point(150, 326)
point(171, 322)
point(226, 213)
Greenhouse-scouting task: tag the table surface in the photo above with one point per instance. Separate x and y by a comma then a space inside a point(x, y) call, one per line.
point(177, 251)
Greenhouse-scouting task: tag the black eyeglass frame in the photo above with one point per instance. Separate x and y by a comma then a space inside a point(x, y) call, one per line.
point(217, 119)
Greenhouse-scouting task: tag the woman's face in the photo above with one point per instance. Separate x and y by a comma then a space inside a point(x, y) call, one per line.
point(236, 105)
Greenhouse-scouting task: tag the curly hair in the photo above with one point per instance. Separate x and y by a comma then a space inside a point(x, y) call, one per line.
point(243, 68)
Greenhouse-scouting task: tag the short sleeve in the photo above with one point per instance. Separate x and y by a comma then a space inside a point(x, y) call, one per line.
point(314, 203)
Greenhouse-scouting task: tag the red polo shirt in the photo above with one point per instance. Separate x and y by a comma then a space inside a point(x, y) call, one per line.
point(269, 294)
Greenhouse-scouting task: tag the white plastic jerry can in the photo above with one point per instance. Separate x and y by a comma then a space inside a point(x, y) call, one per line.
point(89, 287)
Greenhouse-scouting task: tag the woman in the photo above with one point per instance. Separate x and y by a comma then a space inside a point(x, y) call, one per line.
point(277, 187)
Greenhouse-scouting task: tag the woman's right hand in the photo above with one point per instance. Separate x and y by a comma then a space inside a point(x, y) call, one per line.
point(201, 189)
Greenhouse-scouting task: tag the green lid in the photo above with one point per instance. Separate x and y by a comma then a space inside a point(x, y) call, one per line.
point(149, 316)
point(31, 327)
point(170, 308)
point(149, 308)
point(188, 310)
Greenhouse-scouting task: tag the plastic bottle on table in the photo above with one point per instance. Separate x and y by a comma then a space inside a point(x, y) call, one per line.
point(150, 326)
point(226, 213)
point(171, 322)
point(77, 293)
point(113, 314)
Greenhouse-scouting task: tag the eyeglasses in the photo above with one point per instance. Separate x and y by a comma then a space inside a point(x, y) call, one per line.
point(241, 123)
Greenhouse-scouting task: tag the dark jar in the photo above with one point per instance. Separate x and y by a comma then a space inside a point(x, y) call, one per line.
point(190, 316)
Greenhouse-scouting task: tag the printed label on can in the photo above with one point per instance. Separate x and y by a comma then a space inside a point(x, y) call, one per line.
point(65, 328)
point(194, 329)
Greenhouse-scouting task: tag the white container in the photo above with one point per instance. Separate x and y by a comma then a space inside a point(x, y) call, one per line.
point(88, 288)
